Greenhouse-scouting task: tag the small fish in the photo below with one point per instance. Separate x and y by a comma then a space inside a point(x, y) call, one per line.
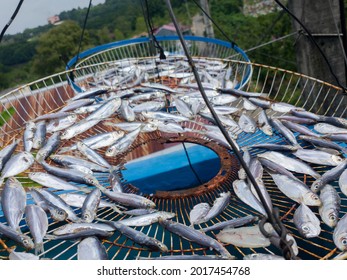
point(198, 213)
point(149, 106)
point(247, 124)
point(299, 128)
point(106, 110)
point(340, 234)
point(6, 153)
point(67, 160)
point(91, 248)
point(245, 237)
point(223, 99)
point(329, 176)
point(79, 226)
point(318, 157)
point(282, 107)
point(77, 104)
point(183, 108)
point(306, 222)
point(40, 135)
point(79, 128)
point(275, 147)
point(301, 113)
point(249, 106)
point(325, 128)
point(195, 236)
point(88, 93)
point(296, 190)
point(13, 200)
point(92, 155)
point(264, 123)
point(123, 143)
point(37, 222)
point(28, 136)
point(330, 208)
point(295, 119)
point(284, 131)
point(126, 111)
point(139, 237)
point(90, 206)
point(337, 137)
point(233, 223)
point(260, 256)
point(273, 167)
point(50, 147)
point(61, 124)
point(289, 163)
point(219, 204)
point(323, 143)
point(17, 164)
point(21, 239)
point(147, 219)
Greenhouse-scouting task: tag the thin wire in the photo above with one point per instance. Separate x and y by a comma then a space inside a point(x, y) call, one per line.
point(338, 32)
point(233, 44)
point(11, 19)
point(190, 164)
point(82, 34)
point(315, 43)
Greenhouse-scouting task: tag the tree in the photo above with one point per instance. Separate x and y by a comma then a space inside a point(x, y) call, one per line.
point(57, 46)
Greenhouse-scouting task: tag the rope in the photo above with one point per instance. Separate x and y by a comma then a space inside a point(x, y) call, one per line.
point(233, 44)
point(11, 19)
point(276, 223)
point(315, 43)
point(190, 164)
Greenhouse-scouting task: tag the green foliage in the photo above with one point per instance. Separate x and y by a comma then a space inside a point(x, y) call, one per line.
point(57, 46)
point(6, 115)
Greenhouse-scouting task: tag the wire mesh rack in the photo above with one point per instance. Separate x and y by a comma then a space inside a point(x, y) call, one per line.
point(50, 94)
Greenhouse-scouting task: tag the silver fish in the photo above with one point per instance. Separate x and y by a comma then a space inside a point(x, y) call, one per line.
point(260, 256)
point(67, 160)
point(247, 159)
point(183, 108)
point(77, 200)
point(6, 153)
point(105, 110)
point(149, 106)
point(147, 219)
point(139, 212)
point(79, 128)
point(343, 182)
point(139, 237)
point(283, 130)
point(318, 157)
point(219, 204)
point(247, 124)
point(244, 193)
point(273, 167)
point(325, 128)
point(337, 137)
point(90, 206)
point(249, 106)
point(80, 226)
point(275, 147)
point(330, 208)
point(77, 104)
point(195, 236)
point(264, 123)
point(40, 135)
point(13, 200)
point(123, 143)
point(126, 111)
point(233, 223)
point(329, 176)
point(37, 222)
point(222, 110)
point(340, 234)
point(223, 99)
point(50, 147)
point(28, 136)
point(88, 109)
point(245, 237)
point(163, 116)
point(51, 181)
point(89, 93)
point(306, 222)
point(295, 119)
point(323, 143)
point(57, 201)
point(289, 163)
point(282, 107)
point(115, 181)
point(61, 124)
point(128, 199)
point(299, 128)
point(296, 190)
point(22, 239)
point(91, 248)
point(17, 164)
point(265, 104)
point(304, 114)
point(92, 155)
point(198, 213)
point(81, 168)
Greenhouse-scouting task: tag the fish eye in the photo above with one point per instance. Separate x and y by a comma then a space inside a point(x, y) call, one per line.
point(332, 218)
point(305, 229)
point(344, 241)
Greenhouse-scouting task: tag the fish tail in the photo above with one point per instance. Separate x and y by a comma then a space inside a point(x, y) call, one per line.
point(39, 248)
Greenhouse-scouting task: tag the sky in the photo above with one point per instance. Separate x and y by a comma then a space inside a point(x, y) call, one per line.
point(34, 13)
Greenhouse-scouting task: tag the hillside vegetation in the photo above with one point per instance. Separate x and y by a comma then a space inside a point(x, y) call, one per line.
point(44, 50)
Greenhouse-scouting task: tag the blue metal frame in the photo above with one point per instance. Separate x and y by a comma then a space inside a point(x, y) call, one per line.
point(107, 46)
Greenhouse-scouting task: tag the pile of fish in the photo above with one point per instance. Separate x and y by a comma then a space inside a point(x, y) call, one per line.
point(73, 154)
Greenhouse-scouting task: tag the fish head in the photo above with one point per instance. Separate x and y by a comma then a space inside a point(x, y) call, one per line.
point(58, 214)
point(337, 159)
point(311, 199)
point(81, 145)
point(309, 230)
point(67, 134)
point(149, 204)
point(27, 242)
point(117, 134)
point(149, 127)
point(111, 151)
point(341, 241)
point(91, 180)
point(330, 217)
point(72, 117)
point(88, 216)
point(317, 185)
point(162, 247)
point(267, 130)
